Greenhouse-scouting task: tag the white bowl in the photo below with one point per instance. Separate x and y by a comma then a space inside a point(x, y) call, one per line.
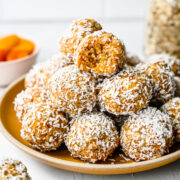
point(11, 70)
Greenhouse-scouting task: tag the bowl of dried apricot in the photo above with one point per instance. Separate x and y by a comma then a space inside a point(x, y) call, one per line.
point(17, 55)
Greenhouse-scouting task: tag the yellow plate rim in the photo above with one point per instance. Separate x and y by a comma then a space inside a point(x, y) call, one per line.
point(103, 169)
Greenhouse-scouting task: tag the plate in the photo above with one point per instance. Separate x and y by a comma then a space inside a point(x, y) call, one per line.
point(117, 164)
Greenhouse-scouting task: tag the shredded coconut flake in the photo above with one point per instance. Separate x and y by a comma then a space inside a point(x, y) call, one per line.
point(147, 134)
point(44, 127)
point(172, 61)
point(42, 72)
point(161, 78)
point(13, 170)
point(172, 108)
point(92, 137)
point(25, 98)
point(79, 29)
point(125, 93)
point(73, 91)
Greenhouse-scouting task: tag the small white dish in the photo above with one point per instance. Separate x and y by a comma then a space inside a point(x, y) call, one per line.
point(11, 70)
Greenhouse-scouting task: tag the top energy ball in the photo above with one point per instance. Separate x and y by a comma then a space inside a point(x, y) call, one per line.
point(101, 53)
point(78, 30)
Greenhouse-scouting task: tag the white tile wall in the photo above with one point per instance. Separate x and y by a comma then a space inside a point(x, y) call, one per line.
point(0, 10)
point(68, 9)
point(126, 8)
point(50, 9)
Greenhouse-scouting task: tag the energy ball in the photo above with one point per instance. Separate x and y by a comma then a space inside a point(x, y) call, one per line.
point(172, 61)
point(73, 91)
point(40, 73)
point(26, 98)
point(44, 126)
point(172, 108)
point(101, 53)
point(70, 41)
point(146, 135)
point(162, 79)
point(132, 59)
point(13, 169)
point(125, 93)
point(92, 137)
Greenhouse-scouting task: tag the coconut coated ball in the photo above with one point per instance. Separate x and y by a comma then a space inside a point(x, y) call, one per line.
point(92, 137)
point(13, 169)
point(42, 72)
point(26, 98)
point(172, 108)
point(146, 135)
point(44, 126)
point(101, 53)
point(73, 91)
point(162, 79)
point(70, 41)
point(125, 93)
point(172, 61)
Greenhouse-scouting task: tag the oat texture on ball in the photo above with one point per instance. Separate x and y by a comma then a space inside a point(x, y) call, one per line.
point(73, 91)
point(147, 135)
point(172, 108)
point(125, 93)
point(161, 78)
point(41, 73)
point(13, 169)
point(70, 41)
point(92, 137)
point(44, 126)
point(101, 53)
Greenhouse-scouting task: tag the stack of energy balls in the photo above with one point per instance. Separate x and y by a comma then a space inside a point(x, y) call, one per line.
point(96, 97)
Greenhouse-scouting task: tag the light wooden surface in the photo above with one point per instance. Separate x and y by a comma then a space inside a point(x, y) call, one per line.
point(46, 20)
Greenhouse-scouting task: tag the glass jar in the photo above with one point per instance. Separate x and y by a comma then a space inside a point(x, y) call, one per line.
point(163, 28)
